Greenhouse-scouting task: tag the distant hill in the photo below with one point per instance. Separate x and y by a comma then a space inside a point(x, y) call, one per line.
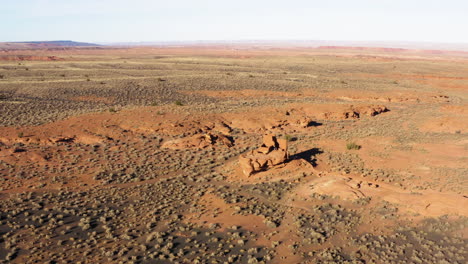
point(66, 43)
point(45, 44)
point(392, 45)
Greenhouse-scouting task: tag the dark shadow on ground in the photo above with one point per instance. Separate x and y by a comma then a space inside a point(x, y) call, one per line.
point(314, 124)
point(308, 155)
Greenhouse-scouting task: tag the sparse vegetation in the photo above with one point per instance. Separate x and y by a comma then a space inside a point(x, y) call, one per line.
point(352, 146)
point(107, 187)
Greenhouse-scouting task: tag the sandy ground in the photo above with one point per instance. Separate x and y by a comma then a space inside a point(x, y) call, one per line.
point(408, 166)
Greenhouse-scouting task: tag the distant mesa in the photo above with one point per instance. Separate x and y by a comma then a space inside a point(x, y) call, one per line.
point(45, 44)
point(29, 58)
point(61, 43)
point(364, 48)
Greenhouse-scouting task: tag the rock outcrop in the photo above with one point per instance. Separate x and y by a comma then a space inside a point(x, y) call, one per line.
point(199, 141)
point(62, 139)
point(273, 151)
point(355, 112)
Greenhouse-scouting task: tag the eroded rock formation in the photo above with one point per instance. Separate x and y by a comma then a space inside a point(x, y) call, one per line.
point(199, 141)
point(355, 112)
point(273, 151)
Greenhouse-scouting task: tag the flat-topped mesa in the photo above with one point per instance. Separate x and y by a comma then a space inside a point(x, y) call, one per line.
point(273, 151)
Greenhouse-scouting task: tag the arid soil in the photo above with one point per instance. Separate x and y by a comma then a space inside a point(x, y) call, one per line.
point(112, 155)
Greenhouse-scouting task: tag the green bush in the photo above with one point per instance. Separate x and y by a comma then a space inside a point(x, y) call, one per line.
point(179, 103)
point(352, 145)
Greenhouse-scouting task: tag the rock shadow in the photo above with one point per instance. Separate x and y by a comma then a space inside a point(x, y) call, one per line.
point(314, 124)
point(308, 155)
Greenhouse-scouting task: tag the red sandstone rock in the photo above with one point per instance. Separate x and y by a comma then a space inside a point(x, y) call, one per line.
point(269, 140)
point(273, 152)
point(198, 141)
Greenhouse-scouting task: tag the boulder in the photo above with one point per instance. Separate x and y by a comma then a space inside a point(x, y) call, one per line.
point(302, 122)
point(269, 140)
point(272, 152)
point(372, 110)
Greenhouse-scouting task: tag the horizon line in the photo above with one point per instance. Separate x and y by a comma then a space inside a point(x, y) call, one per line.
point(243, 41)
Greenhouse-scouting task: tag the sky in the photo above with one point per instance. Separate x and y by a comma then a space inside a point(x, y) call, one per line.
point(444, 21)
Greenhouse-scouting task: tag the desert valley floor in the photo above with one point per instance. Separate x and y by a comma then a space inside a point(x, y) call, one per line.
point(135, 155)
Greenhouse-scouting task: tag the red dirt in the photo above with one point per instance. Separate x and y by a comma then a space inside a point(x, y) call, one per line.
point(426, 203)
point(337, 111)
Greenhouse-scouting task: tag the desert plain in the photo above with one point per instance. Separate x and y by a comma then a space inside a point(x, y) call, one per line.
point(134, 155)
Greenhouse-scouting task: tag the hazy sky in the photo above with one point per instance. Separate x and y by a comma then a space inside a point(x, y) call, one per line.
point(157, 20)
